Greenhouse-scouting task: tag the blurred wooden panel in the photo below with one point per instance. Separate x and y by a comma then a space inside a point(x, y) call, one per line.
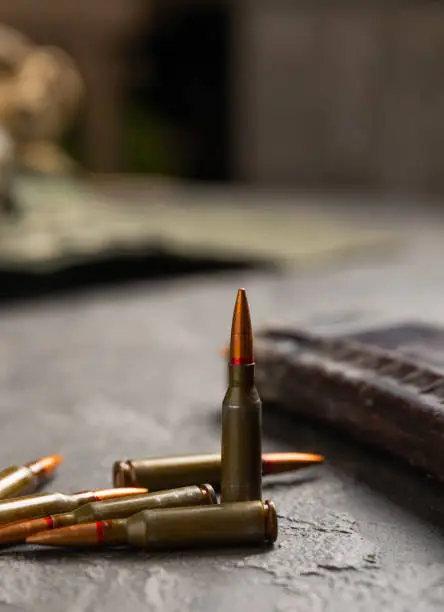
point(412, 127)
point(350, 62)
point(351, 95)
point(276, 93)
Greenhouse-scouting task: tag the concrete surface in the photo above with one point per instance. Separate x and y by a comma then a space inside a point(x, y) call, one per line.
point(135, 371)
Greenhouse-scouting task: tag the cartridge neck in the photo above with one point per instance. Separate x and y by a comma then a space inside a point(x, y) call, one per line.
point(241, 375)
point(83, 497)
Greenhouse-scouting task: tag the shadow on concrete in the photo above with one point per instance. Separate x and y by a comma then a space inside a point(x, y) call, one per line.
point(116, 554)
point(403, 485)
point(23, 285)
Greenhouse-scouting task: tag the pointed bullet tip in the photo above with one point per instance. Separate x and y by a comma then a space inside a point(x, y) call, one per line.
point(54, 460)
point(46, 465)
point(89, 534)
point(241, 301)
point(275, 463)
point(241, 343)
point(17, 532)
point(303, 457)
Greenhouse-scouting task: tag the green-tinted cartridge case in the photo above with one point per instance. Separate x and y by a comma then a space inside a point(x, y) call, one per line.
point(167, 472)
point(223, 525)
point(240, 524)
point(241, 438)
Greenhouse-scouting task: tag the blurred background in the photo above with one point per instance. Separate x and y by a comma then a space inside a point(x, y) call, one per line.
point(152, 99)
point(305, 94)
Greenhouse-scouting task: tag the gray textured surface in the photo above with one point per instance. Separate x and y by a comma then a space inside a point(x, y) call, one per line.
point(136, 371)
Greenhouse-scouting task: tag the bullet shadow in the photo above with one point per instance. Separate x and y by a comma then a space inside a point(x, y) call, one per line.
point(115, 555)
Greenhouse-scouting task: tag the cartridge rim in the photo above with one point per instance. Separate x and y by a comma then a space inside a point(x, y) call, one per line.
point(271, 523)
point(209, 493)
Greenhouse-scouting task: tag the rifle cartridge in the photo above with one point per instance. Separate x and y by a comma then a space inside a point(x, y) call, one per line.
point(243, 523)
point(157, 473)
point(241, 457)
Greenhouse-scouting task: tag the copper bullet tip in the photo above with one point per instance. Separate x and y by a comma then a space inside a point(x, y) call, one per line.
point(88, 534)
point(275, 463)
point(46, 465)
point(17, 532)
point(103, 494)
point(241, 343)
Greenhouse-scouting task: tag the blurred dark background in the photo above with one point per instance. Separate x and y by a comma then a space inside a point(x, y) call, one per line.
point(306, 94)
